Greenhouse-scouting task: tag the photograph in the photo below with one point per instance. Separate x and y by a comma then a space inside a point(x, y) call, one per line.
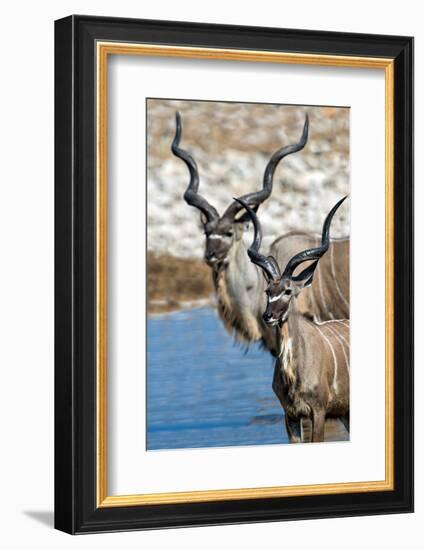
point(248, 233)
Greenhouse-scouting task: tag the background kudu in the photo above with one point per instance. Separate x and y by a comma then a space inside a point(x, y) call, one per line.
point(239, 285)
point(311, 375)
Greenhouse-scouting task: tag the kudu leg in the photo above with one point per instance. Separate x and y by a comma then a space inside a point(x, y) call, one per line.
point(293, 427)
point(318, 426)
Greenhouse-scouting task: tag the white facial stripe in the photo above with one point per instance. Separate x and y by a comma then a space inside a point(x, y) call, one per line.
point(275, 298)
point(215, 237)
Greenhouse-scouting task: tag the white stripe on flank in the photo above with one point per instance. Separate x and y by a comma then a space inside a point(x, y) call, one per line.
point(340, 339)
point(335, 278)
point(322, 295)
point(334, 357)
point(314, 306)
point(346, 341)
point(329, 321)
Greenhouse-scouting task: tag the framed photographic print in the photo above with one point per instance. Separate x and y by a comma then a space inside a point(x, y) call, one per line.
point(234, 274)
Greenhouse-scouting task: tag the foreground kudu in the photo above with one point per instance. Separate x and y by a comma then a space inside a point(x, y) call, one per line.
point(311, 376)
point(239, 285)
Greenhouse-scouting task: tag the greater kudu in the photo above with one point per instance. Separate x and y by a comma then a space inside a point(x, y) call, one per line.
point(239, 285)
point(311, 375)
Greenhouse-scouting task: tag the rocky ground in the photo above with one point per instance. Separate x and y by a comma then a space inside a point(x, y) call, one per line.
point(232, 144)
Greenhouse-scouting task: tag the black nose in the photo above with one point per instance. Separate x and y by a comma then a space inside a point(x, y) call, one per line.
point(267, 316)
point(209, 255)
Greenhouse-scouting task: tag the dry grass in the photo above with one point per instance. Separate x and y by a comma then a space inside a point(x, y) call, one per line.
point(173, 282)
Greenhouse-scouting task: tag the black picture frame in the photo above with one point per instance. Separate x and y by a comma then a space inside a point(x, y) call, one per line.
point(76, 510)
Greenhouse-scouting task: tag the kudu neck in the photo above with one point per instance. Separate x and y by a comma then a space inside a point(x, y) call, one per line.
point(291, 326)
point(240, 260)
point(241, 298)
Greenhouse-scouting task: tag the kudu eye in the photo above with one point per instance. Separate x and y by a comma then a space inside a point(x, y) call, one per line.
point(229, 234)
point(287, 292)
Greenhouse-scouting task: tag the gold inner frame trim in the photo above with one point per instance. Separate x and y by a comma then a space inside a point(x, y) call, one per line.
point(104, 49)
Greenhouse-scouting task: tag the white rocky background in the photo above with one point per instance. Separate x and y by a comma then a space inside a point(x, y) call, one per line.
point(232, 143)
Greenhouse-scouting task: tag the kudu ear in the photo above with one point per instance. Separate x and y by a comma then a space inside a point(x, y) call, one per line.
point(305, 277)
point(245, 217)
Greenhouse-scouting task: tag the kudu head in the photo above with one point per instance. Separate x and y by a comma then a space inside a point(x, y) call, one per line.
point(283, 286)
point(222, 231)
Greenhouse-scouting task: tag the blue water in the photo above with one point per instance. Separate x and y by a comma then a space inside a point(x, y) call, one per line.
point(203, 390)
